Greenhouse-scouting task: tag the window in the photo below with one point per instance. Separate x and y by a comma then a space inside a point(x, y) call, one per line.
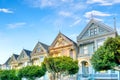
point(100, 30)
point(91, 48)
point(100, 42)
point(93, 31)
point(71, 53)
point(41, 58)
point(85, 49)
point(38, 49)
point(25, 64)
point(22, 56)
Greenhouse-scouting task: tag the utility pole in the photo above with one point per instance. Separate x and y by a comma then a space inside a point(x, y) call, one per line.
point(115, 24)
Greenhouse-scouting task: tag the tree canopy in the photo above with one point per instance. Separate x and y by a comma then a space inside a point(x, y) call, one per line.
point(8, 75)
point(31, 72)
point(61, 65)
point(107, 56)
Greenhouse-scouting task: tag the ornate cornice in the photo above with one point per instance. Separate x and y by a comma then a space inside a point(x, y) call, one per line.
point(61, 47)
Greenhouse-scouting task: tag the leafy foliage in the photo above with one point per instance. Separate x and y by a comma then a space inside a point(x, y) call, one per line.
point(61, 65)
point(32, 72)
point(8, 75)
point(107, 56)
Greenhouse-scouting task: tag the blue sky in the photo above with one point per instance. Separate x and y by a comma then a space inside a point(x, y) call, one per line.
point(25, 22)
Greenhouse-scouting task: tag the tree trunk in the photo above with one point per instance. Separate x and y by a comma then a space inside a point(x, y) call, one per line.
point(60, 76)
point(52, 77)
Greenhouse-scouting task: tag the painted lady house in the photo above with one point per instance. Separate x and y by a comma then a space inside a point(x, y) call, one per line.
point(89, 40)
point(63, 46)
point(39, 52)
point(24, 58)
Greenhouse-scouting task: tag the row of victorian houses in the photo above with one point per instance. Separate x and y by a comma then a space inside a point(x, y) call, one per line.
point(89, 40)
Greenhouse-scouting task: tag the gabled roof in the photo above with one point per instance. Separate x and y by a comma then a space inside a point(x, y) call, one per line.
point(61, 34)
point(7, 62)
point(46, 47)
point(69, 39)
point(42, 45)
point(16, 56)
point(97, 23)
point(28, 52)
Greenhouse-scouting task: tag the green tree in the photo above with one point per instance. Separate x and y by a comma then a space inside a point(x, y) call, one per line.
point(107, 56)
point(8, 75)
point(61, 65)
point(31, 72)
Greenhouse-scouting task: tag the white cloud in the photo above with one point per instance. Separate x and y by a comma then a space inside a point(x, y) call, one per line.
point(56, 4)
point(65, 14)
point(5, 10)
point(42, 3)
point(75, 23)
point(95, 13)
point(98, 19)
point(67, 0)
point(103, 2)
point(16, 25)
point(64, 11)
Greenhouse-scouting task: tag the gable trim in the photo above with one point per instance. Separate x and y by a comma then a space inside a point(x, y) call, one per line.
point(96, 22)
point(36, 46)
point(64, 37)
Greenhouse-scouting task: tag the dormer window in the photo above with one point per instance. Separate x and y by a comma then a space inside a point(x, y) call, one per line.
point(93, 31)
point(22, 55)
point(38, 49)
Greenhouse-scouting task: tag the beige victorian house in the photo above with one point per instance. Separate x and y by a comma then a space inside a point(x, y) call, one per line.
point(63, 46)
point(13, 61)
point(24, 58)
point(39, 53)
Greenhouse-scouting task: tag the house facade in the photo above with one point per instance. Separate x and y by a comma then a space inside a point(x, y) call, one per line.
point(63, 46)
point(13, 61)
point(24, 59)
point(39, 52)
point(89, 40)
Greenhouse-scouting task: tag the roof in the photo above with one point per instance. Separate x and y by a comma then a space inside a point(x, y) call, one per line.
point(98, 23)
point(44, 45)
point(28, 52)
point(68, 38)
point(16, 56)
point(65, 37)
point(6, 63)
